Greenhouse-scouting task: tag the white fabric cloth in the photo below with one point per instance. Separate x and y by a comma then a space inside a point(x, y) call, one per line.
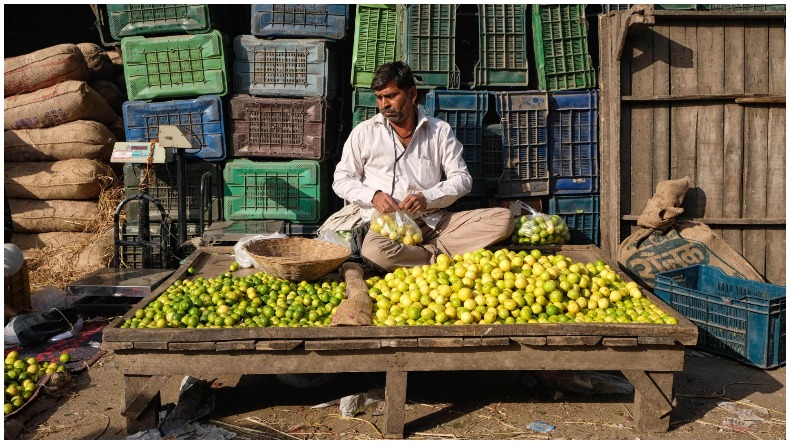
point(369, 161)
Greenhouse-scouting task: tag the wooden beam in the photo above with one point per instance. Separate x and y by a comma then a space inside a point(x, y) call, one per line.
point(652, 399)
point(348, 344)
point(724, 221)
point(235, 345)
point(395, 404)
point(572, 340)
point(141, 399)
point(738, 98)
point(717, 15)
point(620, 342)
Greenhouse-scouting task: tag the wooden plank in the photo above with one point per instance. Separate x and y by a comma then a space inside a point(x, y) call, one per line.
point(775, 238)
point(121, 345)
point(762, 100)
point(514, 357)
point(440, 342)
point(619, 342)
point(733, 163)
point(235, 345)
point(639, 175)
point(144, 345)
point(669, 14)
point(399, 342)
point(395, 404)
point(495, 342)
point(346, 344)
point(756, 185)
point(185, 346)
point(649, 391)
point(646, 417)
point(144, 396)
point(572, 340)
point(530, 340)
point(278, 345)
point(148, 417)
point(722, 97)
point(646, 340)
point(661, 114)
point(724, 221)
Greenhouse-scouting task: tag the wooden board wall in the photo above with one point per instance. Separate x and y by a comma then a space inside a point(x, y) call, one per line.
point(687, 97)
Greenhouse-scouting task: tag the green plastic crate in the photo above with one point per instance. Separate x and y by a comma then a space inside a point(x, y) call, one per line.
point(375, 41)
point(429, 44)
point(503, 46)
point(561, 52)
point(131, 20)
point(295, 191)
point(175, 66)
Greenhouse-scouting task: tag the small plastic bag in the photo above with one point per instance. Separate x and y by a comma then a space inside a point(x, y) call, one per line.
point(537, 228)
point(336, 237)
point(398, 226)
point(242, 257)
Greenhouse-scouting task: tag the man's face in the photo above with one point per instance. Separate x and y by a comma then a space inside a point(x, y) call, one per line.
point(395, 103)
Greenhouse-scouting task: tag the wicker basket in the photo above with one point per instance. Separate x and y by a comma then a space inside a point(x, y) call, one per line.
point(297, 259)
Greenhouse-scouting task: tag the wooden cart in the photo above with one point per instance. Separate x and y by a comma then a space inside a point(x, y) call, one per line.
point(647, 354)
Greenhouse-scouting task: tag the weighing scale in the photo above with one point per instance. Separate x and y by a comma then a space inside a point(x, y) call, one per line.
point(113, 291)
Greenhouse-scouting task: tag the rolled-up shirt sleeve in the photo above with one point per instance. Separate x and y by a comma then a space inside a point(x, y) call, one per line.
point(347, 182)
point(458, 182)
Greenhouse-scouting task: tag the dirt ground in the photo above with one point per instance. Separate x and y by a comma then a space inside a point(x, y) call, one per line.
point(441, 405)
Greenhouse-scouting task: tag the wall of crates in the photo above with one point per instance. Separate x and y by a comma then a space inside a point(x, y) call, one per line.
point(269, 107)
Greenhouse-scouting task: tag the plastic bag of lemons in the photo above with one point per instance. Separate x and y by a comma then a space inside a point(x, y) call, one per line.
point(398, 226)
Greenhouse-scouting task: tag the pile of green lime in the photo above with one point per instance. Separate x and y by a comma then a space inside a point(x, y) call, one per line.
point(22, 375)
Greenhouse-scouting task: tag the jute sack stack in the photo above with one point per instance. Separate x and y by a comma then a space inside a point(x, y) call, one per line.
point(111, 94)
point(74, 179)
point(44, 216)
point(82, 139)
point(97, 60)
point(665, 244)
point(44, 68)
point(62, 103)
point(57, 239)
point(357, 309)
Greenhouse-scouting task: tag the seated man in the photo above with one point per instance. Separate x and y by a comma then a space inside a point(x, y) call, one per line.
point(394, 161)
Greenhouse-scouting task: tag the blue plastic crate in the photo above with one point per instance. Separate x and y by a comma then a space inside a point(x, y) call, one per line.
point(492, 152)
point(573, 129)
point(284, 67)
point(300, 21)
point(736, 317)
point(464, 111)
point(202, 116)
point(524, 117)
point(429, 44)
point(583, 216)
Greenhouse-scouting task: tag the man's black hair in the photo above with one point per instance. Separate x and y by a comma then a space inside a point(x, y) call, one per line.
point(398, 72)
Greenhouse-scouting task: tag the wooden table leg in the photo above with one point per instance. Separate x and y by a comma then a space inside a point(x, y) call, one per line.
point(395, 404)
point(143, 401)
point(653, 400)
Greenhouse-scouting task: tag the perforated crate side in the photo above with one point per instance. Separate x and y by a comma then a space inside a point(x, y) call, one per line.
point(503, 46)
point(376, 41)
point(201, 117)
point(573, 140)
point(174, 66)
point(300, 21)
point(294, 191)
point(429, 44)
point(492, 152)
point(524, 137)
point(561, 52)
point(462, 110)
point(582, 214)
point(736, 317)
point(132, 20)
point(363, 101)
point(284, 67)
point(282, 127)
point(163, 185)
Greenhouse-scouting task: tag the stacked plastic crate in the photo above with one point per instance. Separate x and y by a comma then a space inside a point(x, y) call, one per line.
point(283, 115)
point(175, 72)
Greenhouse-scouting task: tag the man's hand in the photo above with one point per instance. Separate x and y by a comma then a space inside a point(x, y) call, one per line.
point(384, 203)
point(414, 203)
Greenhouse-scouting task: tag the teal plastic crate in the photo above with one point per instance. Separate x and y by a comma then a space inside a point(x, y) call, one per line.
point(524, 117)
point(132, 20)
point(429, 45)
point(284, 67)
point(295, 191)
point(583, 216)
point(376, 41)
point(503, 46)
point(739, 318)
point(561, 52)
point(176, 66)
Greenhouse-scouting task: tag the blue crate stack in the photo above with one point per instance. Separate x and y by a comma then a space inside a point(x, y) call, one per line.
point(285, 109)
point(183, 86)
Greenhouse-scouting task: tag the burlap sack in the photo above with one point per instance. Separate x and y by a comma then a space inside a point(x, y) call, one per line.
point(116, 60)
point(81, 255)
point(43, 68)
point(83, 139)
point(99, 63)
point(357, 309)
point(62, 103)
point(44, 216)
point(111, 94)
point(666, 244)
point(74, 179)
point(28, 241)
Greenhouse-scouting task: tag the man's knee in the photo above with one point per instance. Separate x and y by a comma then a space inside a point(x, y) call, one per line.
point(376, 255)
